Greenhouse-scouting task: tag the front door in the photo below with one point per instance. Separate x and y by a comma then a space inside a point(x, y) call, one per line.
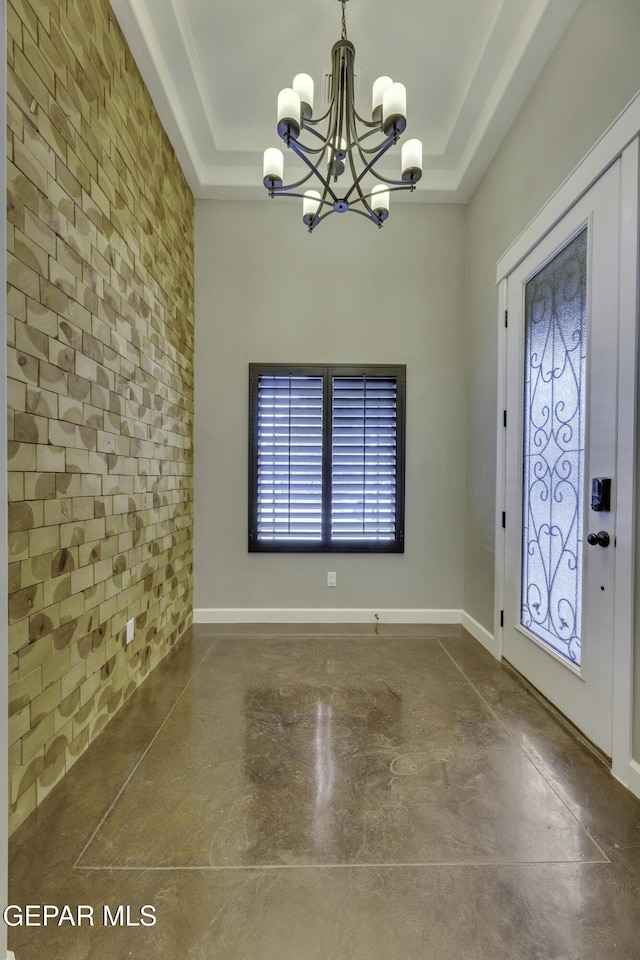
point(562, 357)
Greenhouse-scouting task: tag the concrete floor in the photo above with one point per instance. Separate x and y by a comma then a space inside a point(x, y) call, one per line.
point(344, 797)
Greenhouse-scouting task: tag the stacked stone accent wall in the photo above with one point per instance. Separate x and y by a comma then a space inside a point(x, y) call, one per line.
point(100, 367)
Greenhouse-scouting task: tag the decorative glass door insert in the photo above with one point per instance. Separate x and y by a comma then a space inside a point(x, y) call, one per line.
point(561, 376)
point(555, 305)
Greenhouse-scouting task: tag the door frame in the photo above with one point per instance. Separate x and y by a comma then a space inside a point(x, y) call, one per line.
point(621, 141)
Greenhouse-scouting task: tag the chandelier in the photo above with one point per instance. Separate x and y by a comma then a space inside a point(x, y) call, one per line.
point(340, 141)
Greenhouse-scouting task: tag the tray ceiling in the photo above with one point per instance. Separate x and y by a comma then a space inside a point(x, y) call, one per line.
point(214, 71)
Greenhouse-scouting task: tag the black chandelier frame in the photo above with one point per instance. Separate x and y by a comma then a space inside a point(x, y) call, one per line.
point(343, 144)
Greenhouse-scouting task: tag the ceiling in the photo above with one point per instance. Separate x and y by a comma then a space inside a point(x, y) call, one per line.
point(214, 70)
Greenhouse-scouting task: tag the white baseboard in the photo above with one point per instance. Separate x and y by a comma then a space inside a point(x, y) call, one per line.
point(309, 615)
point(11, 955)
point(481, 634)
point(630, 777)
point(634, 778)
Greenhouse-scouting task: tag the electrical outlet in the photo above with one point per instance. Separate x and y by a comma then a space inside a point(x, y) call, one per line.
point(332, 579)
point(130, 628)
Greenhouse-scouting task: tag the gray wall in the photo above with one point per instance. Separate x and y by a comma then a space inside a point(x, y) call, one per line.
point(593, 74)
point(267, 291)
point(251, 305)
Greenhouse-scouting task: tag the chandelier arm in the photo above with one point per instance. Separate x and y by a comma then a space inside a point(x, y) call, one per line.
point(351, 98)
point(362, 151)
point(405, 186)
point(317, 219)
point(368, 168)
point(328, 143)
point(364, 121)
point(366, 196)
point(326, 139)
point(320, 136)
point(362, 213)
point(362, 198)
point(398, 184)
point(301, 196)
point(354, 173)
point(359, 141)
point(370, 215)
point(342, 131)
point(292, 186)
point(313, 150)
point(313, 170)
point(372, 127)
point(352, 138)
point(333, 114)
point(334, 108)
point(314, 122)
point(328, 213)
point(373, 124)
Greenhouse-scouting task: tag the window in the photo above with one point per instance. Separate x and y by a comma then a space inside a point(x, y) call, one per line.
point(326, 458)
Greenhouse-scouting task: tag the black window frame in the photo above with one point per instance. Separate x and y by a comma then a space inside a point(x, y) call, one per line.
point(327, 372)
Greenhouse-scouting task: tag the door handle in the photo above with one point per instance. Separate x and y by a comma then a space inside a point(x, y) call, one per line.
point(601, 539)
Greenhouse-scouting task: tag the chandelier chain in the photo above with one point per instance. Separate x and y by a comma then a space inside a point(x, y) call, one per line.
point(344, 21)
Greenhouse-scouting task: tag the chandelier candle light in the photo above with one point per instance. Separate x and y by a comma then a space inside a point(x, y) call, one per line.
point(346, 141)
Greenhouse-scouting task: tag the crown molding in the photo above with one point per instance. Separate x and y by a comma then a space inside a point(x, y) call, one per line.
point(219, 162)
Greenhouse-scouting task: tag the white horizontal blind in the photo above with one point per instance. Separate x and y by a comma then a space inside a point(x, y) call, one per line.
point(289, 424)
point(364, 458)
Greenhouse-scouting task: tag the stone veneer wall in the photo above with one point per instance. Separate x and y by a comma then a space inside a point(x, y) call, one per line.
point(100, 366)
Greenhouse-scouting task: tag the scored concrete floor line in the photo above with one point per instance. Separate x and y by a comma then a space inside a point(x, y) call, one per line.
point(144, 753)
point(530, 758)
point(125, 840)
point(421, 865)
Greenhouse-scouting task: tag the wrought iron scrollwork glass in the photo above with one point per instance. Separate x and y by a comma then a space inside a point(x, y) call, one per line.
point(553, 455)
